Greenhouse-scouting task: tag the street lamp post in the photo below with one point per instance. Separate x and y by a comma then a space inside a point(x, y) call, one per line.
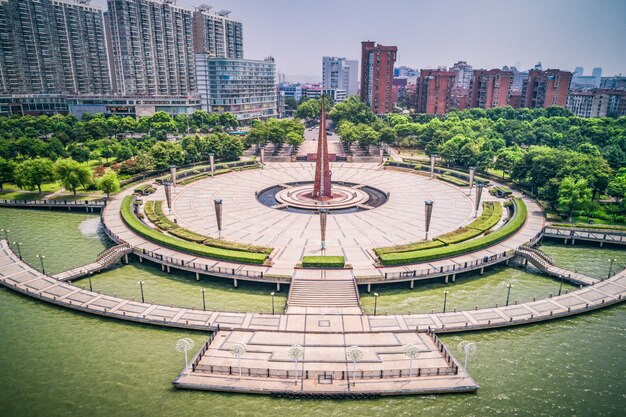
point(43, 268)
point(218, 215)
point(479, 193)
point(611, 266)
point(432, 166)
point(375, 302)
point(445, 300)
point(469, 348)
point(428, 204)
point(90, 285)
point(212, 162)
point(508, 293)
point(19, 249)
point(168, 194)
point(561, 284)
point(184, 345)
point(203, 299)
point(272, 294)
point(173, 174)
point(323, 222)
point(472, 173)
point(141, 287)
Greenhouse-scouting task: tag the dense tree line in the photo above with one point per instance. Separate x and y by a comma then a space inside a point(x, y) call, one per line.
point(39, 150)
point(548, 151)
point(277, 132)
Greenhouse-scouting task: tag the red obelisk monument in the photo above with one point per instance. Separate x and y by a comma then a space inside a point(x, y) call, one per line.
point(322, 186)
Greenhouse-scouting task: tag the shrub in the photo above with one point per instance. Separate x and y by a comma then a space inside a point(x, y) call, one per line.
point(210, 252)
point(163, 223)
point(410, 247)
point(323, 262)
point(453, 180)
point(513, 225)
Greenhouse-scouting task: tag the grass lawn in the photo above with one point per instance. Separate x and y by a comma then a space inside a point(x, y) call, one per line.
point(20, 195)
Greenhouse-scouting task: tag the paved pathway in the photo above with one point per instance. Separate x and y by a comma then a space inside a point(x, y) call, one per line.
point(326, 333)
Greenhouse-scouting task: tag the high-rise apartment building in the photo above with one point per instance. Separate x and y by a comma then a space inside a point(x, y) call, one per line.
point(243, 87)
point(216, 34)
point(490, 88)
point(377, 63)
point(546, 88)
point(617, 82)
point(434, 91)
point(518, 78)
point(152, 47)
point(597, 103)
point(52, 47)
point(340, 74)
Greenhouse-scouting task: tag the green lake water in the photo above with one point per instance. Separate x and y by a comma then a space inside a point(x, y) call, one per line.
point(58, 362)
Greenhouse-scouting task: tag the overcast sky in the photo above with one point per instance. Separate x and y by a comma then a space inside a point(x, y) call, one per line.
point(486, 33)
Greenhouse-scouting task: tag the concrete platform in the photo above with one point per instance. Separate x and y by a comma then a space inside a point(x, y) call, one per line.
point(384, 369)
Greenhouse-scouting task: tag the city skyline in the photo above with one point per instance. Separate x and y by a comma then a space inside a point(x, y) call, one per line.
point(594, 29)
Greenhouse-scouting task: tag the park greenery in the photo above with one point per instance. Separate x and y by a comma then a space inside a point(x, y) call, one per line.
point(76, 153)
point(276, 132)
point(543, 151)
point(185, 246)
point(154, 212)
point(576, 166)
point(422, 254)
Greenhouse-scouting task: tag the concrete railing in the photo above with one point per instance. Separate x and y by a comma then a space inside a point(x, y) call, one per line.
point(54, 203)
point(606, 236)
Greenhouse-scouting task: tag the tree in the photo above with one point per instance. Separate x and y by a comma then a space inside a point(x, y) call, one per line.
point(574, 195)
point(108, 183)
point(32, 173)
point(294, 140)
point(7, 169)
point(352, 110)
point(72, 174)
point(617, 186)
point(506, 158)
point(291, 103)
point(166, 154)
point(310, 109)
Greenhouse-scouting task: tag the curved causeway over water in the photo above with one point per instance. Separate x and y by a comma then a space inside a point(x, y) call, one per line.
point(382, 369)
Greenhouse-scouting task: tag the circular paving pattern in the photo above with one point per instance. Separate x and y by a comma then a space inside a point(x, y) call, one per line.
point(302, 197)
point(295, 234)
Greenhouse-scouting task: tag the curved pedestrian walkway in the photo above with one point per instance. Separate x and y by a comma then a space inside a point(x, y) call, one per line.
point(325, 334)
point(21, 277)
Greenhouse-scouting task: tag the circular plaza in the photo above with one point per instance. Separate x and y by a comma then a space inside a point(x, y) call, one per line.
point(401, 220)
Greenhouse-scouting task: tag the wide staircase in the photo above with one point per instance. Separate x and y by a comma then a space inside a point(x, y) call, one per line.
point(319, 291)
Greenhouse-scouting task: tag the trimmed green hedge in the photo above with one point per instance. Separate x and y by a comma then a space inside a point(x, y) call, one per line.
point(492, 212)
point(323, 262)
point(453, 180)
point(513, 225)
point(210, 252)
point(163, 223)
point(410, 247)
point(501, 190)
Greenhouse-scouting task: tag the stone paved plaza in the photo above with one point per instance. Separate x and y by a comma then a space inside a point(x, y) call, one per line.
point(400, 220)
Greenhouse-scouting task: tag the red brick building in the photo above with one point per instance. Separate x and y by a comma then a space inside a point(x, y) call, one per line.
point(434, 91)
point(546, 88)
point(377, 63)
point(490, 88)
